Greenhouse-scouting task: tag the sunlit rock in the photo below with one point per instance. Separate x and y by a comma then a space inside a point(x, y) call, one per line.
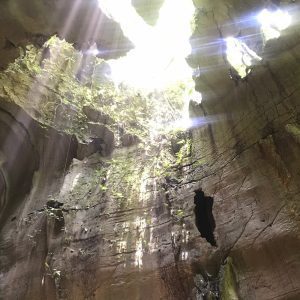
point(240, 56)
point(149, 10)
point(273, 22)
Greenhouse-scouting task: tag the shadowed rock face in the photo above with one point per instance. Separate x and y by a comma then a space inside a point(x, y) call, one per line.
point(79, 22)
point(18, 159)
point(3, 188)
point(22, 153)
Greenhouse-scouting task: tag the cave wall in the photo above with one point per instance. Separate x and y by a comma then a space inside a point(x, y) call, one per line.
point(102, 246)
point(81, 23)
point(99, 245)
point(247, 155)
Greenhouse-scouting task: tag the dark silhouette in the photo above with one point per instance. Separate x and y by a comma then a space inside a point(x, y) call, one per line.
point(204, 218)
point(54, 204)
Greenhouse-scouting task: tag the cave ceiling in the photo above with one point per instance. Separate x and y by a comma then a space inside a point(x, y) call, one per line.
point(80, 22)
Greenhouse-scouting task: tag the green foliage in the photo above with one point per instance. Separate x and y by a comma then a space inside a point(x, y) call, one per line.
point(55, 82)
point(179, 213)
point(123, 175)
point(228, 283)
point(185, 152)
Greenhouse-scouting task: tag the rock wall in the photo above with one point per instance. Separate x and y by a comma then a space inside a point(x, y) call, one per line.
point(98, 228)
point(246, 155)
point(115, 226)
point(79, 22)
point(148, 10)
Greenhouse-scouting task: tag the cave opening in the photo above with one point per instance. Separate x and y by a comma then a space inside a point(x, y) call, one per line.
point(158, 58)
point(204, 218)
point(103, 144)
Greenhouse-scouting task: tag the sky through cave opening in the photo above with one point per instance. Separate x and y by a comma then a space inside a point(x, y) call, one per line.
point(158, 60)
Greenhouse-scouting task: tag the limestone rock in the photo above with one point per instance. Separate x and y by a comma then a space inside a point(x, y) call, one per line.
point(21, 153)
point(148, 10)
point(84, 150)
point(128, 140)
point(102, 132)
point(129, 237)
point(38, 20)
point(97, 116)
point(65, 115)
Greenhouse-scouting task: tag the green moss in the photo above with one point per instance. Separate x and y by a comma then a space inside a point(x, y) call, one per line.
point(124, 173)
point(228, 282)
point(54, 83)
point(294, 131)
point(184, 153)
point(46, 84)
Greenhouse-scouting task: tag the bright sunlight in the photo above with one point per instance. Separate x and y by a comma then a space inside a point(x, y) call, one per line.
point(273, 22)
point(158, 59)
